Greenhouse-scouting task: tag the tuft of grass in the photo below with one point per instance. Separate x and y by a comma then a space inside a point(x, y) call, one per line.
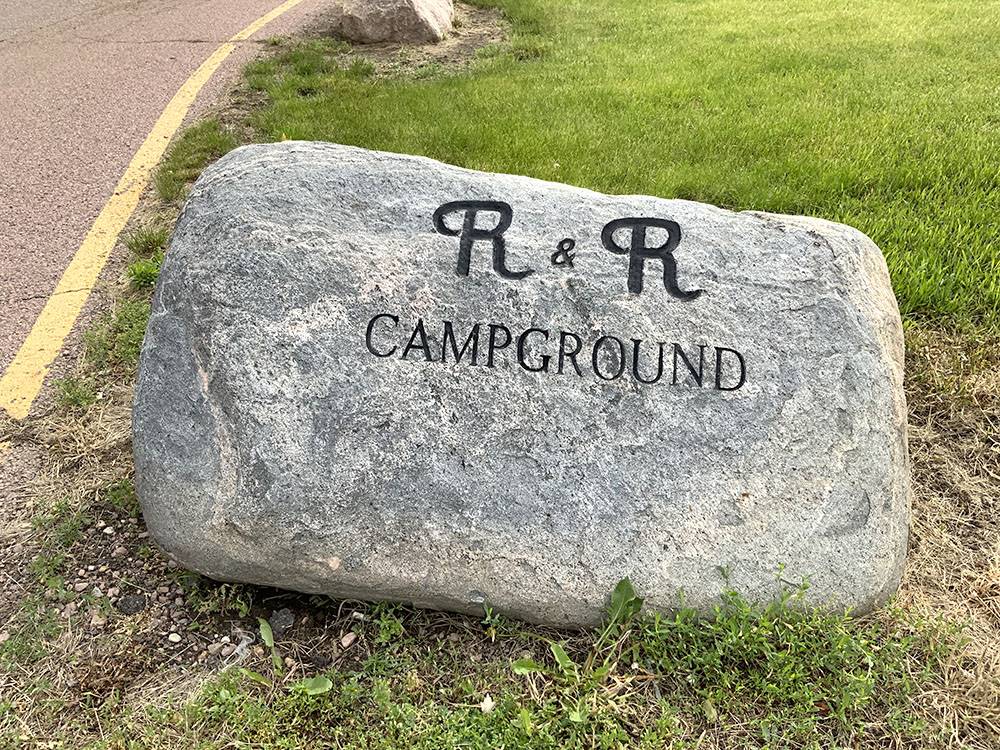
point(116, 340)
point(360, 68)
point(75, 392)
point(61, 526)
point(208, 597)
point(143, 273)
point(787, 673)
point(188, 155)
point(121, 496)
point(32, 624)
point(148, 240)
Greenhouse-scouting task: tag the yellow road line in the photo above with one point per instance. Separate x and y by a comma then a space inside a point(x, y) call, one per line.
point(22, 381)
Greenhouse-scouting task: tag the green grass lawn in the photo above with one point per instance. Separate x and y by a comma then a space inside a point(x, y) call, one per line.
point(881, 114)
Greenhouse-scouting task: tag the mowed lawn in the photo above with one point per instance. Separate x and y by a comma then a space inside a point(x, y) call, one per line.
point(883, 115)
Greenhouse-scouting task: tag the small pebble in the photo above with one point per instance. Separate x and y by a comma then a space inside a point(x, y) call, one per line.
point(113, 592)
point(174, 638)
point(109, 530)
point(81, 587)
point(281, 620)
point(228, 649)
point(131, 604)
point(162, 589)
point(214, 648)
point(119, 552)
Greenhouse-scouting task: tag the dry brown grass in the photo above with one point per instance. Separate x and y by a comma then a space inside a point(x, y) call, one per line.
point(953, 570)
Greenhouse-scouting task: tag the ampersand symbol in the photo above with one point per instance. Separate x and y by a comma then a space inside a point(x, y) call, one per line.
point(564, 255)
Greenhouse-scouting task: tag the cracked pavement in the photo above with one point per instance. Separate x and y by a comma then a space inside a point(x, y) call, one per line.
point(81, 84)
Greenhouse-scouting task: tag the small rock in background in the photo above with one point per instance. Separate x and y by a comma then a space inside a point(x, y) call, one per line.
point(281, 620)
point(369, 21)
point(174, 638)
point(131, 604)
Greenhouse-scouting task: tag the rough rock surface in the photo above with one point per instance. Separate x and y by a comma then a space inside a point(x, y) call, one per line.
point(305, 418)
point(369, 21)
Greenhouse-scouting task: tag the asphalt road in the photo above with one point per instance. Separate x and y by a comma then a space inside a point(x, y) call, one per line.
point(81, 84)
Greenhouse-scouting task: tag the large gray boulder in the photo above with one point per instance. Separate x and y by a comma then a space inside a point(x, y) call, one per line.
point(352, 384)
point(369, 21)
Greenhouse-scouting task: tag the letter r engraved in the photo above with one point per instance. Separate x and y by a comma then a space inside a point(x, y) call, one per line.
point(470, 233)
point(639, 252)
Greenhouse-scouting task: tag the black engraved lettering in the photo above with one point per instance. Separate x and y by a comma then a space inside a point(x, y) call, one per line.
point(449, 338)
point(522, 341)
point(564, 255)
point(636, 343)
point(638, 253)
point(699, 374)
point(371, 328)
point(424, 346)
point(565, 354)
point(718, 369)
point(494, 346)
point(620, 357)
point(470, 233)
